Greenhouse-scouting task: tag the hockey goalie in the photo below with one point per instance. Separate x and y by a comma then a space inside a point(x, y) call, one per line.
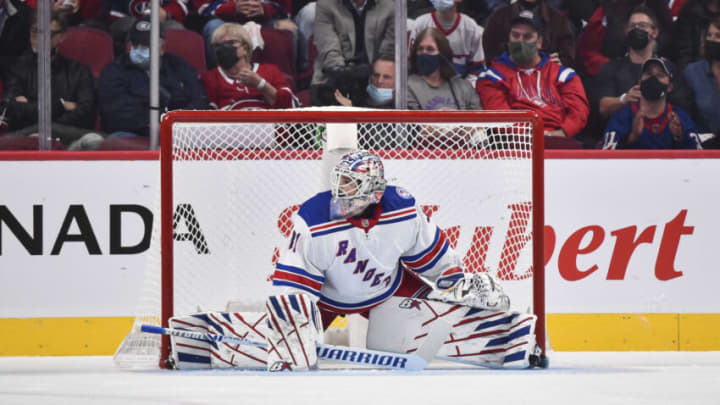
point(366, 247)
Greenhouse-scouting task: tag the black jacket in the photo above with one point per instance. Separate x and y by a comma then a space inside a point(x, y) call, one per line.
point(688, 32)
point(14, 36)
point(124, 92)
point(71, 81)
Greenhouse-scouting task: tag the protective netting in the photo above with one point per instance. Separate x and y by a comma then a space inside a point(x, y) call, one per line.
point(236, 184)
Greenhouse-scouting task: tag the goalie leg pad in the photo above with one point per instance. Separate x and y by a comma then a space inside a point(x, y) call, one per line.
point(193, 354)
point(478, 336)
point(294, 330)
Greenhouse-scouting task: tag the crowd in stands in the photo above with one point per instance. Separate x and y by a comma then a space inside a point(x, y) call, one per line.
point(610, 74)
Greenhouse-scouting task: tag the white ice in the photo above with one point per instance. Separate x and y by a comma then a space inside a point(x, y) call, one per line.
point(606, 378)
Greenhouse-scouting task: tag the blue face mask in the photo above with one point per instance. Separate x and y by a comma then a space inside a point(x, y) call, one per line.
point(426, 64)
point(140, 56)
point(379, 95)
point(442, 4)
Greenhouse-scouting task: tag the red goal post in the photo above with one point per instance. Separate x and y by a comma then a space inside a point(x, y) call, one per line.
point(221, 169)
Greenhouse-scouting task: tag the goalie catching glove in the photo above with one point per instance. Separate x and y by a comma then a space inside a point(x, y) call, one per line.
point(294, 330)
point(478, 290)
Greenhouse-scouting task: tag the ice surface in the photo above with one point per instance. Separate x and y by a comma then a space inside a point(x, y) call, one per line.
point(573, 378)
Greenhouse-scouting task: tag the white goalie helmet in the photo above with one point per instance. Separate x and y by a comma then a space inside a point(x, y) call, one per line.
point(356, 181)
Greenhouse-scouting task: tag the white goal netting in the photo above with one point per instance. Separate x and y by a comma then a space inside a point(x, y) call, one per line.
point(233, 179)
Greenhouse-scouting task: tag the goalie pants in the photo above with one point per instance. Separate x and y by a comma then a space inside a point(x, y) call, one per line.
point(410, 287)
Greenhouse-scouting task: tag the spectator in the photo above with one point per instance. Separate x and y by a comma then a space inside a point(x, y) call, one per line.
point(689, 30)
point(461, 31)
point(578, 11)
point(604, 36)
point(558, 40)
point(348, 34)
point(703, 77)
point(16, 19)
point(275, 14)
point(416, 8)
point(243, 11)
point(124, 86)
point(433, 83)
point(616, 85)
point(675, 7)
point(480, 10)
point(525, 79)
point(169, 10)
point(72, 91)
point(304, 18)
point(381, 89)
point(120, 28)
point(651, 122)
point(89, 12)
point(239, 84)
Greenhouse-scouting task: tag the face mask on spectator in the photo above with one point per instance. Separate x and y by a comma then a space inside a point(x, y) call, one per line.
point(427, 64)
point(637, 39)
point(522, 53)
point(442, 4)
point(652, 89)
point(140, 56)
point(379, 95)
point(712, 50)
point(226, 56)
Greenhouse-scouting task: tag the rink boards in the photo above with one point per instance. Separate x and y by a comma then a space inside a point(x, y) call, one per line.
point(631, 250)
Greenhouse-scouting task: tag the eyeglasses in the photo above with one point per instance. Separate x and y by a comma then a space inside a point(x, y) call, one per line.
point(642, 25)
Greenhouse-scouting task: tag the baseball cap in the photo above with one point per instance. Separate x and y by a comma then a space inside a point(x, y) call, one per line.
point(529, 18)
point(657, 61)
point(140, 32)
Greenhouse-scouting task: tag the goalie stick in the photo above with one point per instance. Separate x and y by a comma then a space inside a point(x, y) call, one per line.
point(353, 355)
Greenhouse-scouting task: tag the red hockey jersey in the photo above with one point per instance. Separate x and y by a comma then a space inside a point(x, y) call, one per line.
point(552, 90)
point(230, 94)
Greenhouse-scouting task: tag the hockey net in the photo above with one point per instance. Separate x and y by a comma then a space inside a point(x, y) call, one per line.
point(230, 181)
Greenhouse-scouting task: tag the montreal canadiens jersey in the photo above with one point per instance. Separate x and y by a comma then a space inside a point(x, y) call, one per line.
point(230, 94)
point(465, 38)
point(353, 264)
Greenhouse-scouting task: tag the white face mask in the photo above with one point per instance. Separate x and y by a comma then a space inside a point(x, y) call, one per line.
point(379, 95)
point(442, 4)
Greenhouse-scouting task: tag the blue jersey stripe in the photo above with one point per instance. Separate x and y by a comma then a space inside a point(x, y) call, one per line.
point(366, 303)
point(424, 252)
point(299, 286)
point(333, 230)
point(392, 221)
point(299, 272)
point(434, 261)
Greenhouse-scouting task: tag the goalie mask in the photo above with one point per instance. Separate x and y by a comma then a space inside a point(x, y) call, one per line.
point(356, 181)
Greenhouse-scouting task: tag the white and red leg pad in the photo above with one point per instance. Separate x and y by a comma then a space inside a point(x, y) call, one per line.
point(192, 354)
point(294, 330)
point(481, 337)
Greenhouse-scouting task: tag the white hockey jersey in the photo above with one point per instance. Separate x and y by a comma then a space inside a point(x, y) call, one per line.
point(354, 264)
point(465, 38)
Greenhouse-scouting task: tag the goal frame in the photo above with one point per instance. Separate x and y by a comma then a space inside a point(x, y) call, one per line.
point(360, 116)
